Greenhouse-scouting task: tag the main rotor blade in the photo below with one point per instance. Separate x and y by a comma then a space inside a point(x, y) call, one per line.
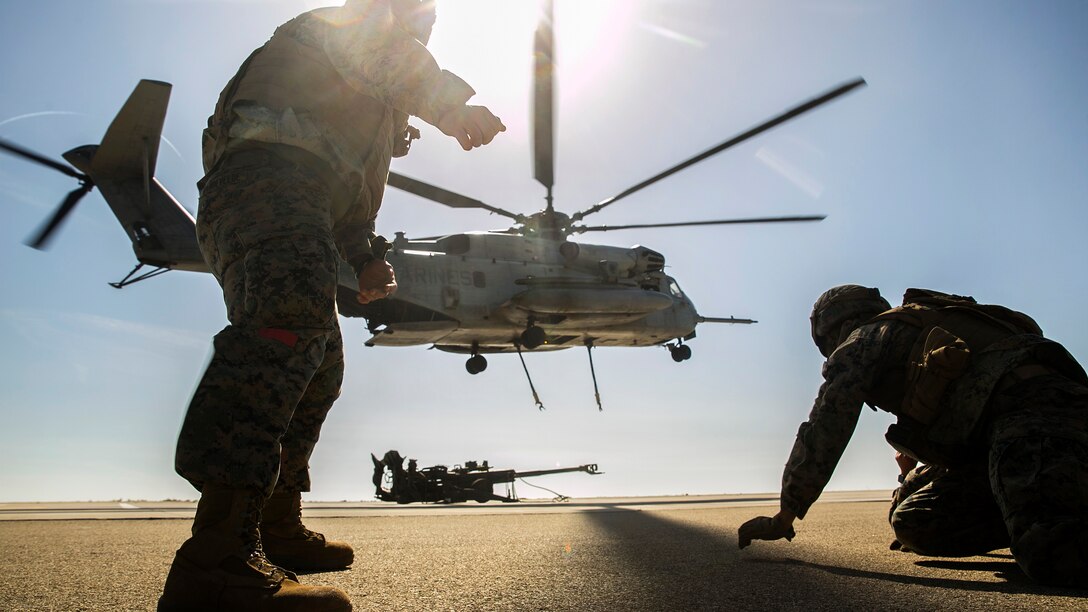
point(42, 237)
point(544, 100)
point(443, 196)
point(763, 127)
point(440, 236)
point(608, 228)
point(41, 159)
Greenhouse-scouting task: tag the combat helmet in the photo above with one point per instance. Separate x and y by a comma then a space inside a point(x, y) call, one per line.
point(416, 16)
point(837, 306)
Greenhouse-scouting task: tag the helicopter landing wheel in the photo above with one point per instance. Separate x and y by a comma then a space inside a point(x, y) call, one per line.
point(680, 352)
point(476, 364)
point(532, 337)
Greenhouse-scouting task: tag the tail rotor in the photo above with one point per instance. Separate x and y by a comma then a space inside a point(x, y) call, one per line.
point(41, 238)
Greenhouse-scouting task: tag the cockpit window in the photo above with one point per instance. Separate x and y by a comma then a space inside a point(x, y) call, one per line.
point(675, 289)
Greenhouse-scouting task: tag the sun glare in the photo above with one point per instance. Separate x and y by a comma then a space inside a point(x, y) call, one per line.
point(489, 42)
point(589, 38)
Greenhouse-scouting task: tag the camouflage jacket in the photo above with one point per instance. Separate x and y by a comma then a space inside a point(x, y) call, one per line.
point(339, 84)
point(869, 366)
point(852, 369)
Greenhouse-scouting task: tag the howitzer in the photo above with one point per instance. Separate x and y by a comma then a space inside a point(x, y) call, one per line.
point(442, 485)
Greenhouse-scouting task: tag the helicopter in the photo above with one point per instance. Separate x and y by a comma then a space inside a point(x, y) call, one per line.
point(526, 288)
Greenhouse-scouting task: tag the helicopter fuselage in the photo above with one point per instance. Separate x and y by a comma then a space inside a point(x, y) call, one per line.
point(477, 293)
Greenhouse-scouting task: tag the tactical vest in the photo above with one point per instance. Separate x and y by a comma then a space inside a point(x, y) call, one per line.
point(961, 350)
point(287, 74)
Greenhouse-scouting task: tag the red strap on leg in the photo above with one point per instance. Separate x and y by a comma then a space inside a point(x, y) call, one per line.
point(279, 335)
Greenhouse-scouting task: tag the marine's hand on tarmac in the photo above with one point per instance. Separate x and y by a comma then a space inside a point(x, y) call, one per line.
point(765, 528)
point(472, 126)
point(376, 281)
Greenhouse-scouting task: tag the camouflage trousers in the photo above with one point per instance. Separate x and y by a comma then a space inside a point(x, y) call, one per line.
point(264, 227)
point(942, 512)
point(1030, 494)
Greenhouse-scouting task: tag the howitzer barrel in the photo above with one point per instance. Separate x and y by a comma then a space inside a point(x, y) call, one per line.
point(439, 484)
point(589, 468)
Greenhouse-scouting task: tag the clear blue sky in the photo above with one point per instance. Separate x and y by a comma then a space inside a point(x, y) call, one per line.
point(960, 167)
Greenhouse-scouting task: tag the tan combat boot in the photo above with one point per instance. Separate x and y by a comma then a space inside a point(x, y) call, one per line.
point(222, 567)
point(288, 543)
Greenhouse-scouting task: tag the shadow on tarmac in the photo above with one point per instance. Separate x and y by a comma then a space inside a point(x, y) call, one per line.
point(1018, 582)
point(1008, 569)
point(669, 565)
point(629, 506)
point(684, 566)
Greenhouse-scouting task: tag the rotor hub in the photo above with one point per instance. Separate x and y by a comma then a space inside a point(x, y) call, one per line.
point(549, 224)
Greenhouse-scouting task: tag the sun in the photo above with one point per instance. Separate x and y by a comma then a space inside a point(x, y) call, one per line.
point(590, 37)
point(489, 42)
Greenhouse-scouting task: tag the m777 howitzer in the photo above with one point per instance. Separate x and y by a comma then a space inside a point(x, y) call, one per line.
point(442, 485)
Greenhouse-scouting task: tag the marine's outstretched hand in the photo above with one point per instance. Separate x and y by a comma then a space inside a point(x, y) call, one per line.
point(766, 528)
point(472, 126)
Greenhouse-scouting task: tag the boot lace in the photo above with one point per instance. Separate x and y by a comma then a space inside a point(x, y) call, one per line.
point(292, 524)
point(251, 541)
point(302, 532)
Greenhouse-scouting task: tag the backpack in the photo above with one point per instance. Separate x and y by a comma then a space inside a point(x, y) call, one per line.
point(1013, 320)
point(954, 332)
point(953, 329)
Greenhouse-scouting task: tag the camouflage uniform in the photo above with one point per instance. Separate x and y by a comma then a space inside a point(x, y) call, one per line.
point(296, 154)
point(278, 366)
point(948, 512)
point(1032, 442)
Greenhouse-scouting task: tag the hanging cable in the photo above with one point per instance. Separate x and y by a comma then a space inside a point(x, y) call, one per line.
point(593, 372)
point(536, 398)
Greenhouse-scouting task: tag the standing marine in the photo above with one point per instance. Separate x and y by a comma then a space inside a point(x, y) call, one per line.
point(296, 156)
point(997, 413)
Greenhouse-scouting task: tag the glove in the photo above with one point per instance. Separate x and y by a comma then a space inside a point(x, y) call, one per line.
point(376, 281)
point(763, 528)
point(897, 545)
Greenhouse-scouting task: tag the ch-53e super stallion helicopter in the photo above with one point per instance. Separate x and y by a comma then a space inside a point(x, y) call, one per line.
point(529, 287)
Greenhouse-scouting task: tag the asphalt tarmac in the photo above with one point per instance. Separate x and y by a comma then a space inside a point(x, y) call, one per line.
point(635, 554)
